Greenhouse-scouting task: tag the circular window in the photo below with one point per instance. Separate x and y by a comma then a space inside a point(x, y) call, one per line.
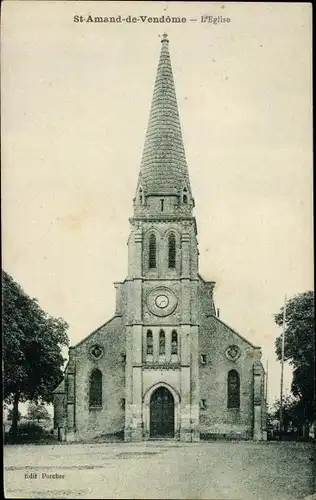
point(233, 352)
point(96, 351)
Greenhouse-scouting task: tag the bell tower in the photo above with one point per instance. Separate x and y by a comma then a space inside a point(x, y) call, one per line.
point(162, 283)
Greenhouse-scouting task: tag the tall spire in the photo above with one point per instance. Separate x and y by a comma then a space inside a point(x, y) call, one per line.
point(164, 168)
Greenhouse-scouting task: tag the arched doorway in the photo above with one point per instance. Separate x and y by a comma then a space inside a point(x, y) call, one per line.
point(161, 413)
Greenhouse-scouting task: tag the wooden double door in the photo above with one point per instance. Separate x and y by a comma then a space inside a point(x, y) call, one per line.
point(161, 414)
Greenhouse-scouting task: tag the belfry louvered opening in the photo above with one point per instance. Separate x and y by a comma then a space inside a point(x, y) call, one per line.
point(152, 258)
point(171, 251)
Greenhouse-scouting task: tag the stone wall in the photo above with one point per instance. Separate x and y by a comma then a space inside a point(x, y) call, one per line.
point(109, 419)
point(206, 300)
point(59, 410)
point(214, 338)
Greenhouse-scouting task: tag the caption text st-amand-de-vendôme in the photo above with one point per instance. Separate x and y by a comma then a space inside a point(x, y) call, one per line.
point(150, 20)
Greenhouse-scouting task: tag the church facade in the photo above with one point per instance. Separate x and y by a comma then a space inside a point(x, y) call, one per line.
point(165, 365)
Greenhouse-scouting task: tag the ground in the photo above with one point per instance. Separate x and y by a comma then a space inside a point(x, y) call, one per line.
point(207, 470)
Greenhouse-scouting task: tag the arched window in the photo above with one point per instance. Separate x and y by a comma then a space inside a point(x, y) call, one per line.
point(141, 196)
point(149, 342)
point(174, 342)
point(95, 388)
point(162, 343)
point(185, 196)
point(152, 251)
point(171, 251)
point(233, 389)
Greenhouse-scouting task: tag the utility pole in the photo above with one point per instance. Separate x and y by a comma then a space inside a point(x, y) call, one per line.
point(282, 370)
point(266, 391)
point(266, 401)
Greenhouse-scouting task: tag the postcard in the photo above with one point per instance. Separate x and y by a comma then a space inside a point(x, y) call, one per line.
point(157, 247)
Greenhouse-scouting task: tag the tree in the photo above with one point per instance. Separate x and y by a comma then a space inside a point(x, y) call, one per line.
point(32, 343)
point(37, 412)
point(10, 415)
point(290, 411)
point(299, 349)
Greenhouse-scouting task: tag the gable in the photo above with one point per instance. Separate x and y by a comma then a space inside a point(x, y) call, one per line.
point(215, 338)
point(233, 332)
point(107, 332)
point(60, 389)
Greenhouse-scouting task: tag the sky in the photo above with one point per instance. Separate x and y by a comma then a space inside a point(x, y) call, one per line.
point(75, 107)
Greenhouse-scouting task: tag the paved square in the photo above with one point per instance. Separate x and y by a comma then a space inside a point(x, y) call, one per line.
point(217, 470)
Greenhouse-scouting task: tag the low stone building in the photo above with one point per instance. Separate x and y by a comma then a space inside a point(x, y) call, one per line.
point(165, 365)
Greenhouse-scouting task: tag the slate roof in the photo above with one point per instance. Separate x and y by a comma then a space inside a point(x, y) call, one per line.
point(60, 389)
point(164, 168)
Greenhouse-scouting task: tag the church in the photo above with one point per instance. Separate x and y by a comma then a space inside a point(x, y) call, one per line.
point(165, 366)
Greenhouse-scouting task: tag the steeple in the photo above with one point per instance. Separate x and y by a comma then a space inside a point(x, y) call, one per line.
point(164, 168)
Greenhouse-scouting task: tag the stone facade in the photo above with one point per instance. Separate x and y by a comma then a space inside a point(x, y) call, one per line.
point(165, 365)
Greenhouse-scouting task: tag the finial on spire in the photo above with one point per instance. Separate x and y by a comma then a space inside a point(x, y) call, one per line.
point(165, 38)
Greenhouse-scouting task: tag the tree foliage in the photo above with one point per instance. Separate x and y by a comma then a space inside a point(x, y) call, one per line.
point(37, 412)
point(10, 415)
point(290, 410)
point(32, 342)
point(299, 348)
